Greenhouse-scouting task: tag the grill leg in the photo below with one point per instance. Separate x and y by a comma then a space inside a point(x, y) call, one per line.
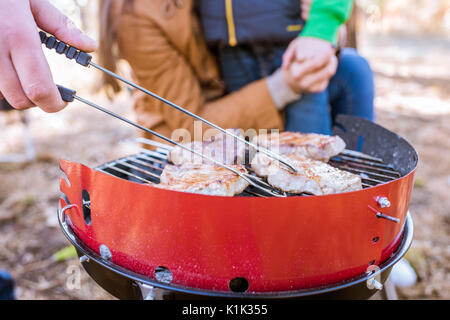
point(389, 292)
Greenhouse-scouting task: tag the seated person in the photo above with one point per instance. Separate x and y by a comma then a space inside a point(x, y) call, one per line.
point(163, 43)
point(251, 37)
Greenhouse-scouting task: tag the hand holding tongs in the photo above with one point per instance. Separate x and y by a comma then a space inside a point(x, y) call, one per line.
point(85, 60)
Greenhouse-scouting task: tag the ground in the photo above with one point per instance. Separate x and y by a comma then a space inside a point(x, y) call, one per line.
point(412, 99)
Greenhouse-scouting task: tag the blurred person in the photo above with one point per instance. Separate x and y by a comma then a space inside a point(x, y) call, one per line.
point(163, 43)
point(25, 77)
point(254, 38)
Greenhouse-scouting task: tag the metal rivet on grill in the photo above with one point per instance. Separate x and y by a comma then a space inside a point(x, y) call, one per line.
point(163, 274)
point(238, 284)
point(84, 259)
point(383, 202)
point(105, 253)
point(375, 239)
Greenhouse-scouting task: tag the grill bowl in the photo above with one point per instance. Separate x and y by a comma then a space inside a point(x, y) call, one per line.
point(126, 285)
point(275, 244)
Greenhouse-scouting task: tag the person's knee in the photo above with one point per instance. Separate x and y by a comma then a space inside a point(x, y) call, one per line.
point(309, 114)
point(353, 88)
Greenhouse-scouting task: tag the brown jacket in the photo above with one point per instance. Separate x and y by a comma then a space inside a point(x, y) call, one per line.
point(163, 43)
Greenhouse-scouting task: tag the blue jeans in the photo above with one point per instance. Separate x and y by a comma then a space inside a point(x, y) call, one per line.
point(350, 91)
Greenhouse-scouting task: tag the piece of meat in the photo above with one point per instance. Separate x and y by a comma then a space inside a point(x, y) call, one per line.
point(312, 176)
point(311, 145)
point(204, 178)
point(220, 147)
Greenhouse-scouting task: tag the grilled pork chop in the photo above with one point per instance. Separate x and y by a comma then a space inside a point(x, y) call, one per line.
point(312, 176)
point(311, 145)
point(203, 178)
point(220, 147)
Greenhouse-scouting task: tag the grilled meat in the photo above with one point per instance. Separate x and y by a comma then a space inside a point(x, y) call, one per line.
point(220, 147)
point(203, 178)
point(311, 145)
point(312, 176)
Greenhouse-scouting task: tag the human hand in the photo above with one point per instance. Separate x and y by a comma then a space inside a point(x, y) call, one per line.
point(305, 6)
point(25, 77)
point(310, 62)
point(313, 82)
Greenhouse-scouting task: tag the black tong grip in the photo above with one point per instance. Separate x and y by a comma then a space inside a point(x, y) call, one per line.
point(62, 48)
point(68, 95)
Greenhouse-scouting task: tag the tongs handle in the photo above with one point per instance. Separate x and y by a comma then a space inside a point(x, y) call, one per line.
point(70, 52)
point(68, 95)
point(4, 105)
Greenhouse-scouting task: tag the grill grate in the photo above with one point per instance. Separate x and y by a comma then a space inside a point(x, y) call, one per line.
point(146, 167)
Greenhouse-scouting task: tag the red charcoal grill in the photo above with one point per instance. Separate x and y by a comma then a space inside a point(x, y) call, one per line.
point(138, 241)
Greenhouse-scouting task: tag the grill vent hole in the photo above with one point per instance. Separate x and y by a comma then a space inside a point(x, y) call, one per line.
point(375, 239)
point(371, 263)
point(238, 284)
point(86, 206)
point(163, 274)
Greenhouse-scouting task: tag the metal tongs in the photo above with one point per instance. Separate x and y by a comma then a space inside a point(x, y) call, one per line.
point(85, 60)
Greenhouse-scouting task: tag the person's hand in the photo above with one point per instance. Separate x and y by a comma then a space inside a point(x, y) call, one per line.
point(25, 77)
point(311, 63)
point(305, 5)
point(313, 82)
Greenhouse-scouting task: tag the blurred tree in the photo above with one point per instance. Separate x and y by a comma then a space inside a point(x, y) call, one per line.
point(82, 12)
point(352, 40)
point(88, 14)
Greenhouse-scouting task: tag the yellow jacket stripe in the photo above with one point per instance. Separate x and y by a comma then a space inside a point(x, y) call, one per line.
point(230, 22)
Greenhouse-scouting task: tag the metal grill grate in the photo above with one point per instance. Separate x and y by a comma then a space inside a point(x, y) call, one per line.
point(147, 166)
